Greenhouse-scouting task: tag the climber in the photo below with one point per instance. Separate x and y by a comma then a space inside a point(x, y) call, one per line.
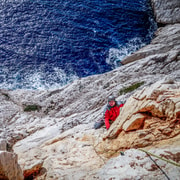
point(112, 111)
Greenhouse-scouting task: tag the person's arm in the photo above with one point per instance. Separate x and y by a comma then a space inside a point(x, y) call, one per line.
point(107, 119)
point(120, 102)
point(121, 105)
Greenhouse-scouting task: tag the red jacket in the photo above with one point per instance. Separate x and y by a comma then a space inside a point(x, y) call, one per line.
point(111, 114)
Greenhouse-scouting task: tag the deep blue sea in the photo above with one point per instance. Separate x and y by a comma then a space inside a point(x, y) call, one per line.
point(45, 44)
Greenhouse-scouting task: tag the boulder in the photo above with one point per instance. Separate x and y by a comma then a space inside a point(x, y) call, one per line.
point(9, 168)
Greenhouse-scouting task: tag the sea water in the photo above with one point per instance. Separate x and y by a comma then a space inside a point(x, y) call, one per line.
point(45, 44)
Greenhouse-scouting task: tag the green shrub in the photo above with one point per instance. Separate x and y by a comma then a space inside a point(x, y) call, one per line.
point(130, 88)
point(6, 95)
point(34, 107)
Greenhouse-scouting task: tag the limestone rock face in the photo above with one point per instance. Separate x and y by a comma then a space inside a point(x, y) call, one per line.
point(151, 114)
point(54, 147)
point(135, 122)
point(166, 12)
point(140, 166)
point(52, 132)
point(9, 167)
point(164, 47)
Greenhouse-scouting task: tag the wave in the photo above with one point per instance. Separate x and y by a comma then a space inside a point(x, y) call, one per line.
point(36, 78)
point(117, 54)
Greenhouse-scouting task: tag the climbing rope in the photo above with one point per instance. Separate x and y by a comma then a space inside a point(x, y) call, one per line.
point(159, 157)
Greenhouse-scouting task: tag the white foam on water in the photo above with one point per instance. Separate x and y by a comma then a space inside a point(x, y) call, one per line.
point(37, 79)
point(53, 80)
point(117, 54)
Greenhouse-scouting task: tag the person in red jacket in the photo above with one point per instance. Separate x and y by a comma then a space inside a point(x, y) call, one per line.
point(112, 110)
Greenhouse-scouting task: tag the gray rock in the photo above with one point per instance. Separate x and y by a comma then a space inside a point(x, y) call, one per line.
point(165, 46)
point(166, 12)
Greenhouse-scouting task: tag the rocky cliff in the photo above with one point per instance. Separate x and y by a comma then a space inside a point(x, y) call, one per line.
point(52, 131)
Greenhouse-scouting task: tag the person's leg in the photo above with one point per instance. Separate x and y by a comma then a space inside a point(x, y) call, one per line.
point(99, 123)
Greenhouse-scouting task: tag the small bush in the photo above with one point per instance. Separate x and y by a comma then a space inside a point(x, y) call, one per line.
point(34, 107)
point(6, 95)
point(130, 88)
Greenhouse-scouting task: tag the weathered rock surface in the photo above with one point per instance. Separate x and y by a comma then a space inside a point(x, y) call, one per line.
point(164, 47)
point(151, 114)
point(54, 146)
point(9, 167)
point(166, 12)
point(54, 153)
point(52, 131)
point(141, 166)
